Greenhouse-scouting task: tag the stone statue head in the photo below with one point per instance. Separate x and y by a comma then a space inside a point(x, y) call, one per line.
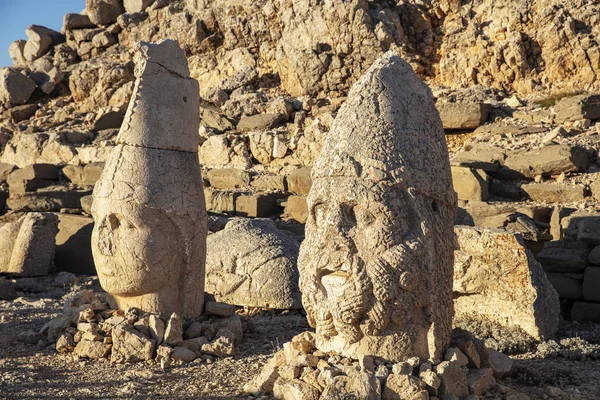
point(149, 238)
point(376, 263)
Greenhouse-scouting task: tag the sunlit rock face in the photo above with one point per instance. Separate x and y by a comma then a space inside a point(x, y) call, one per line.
point(149, 239)
point(376, 264)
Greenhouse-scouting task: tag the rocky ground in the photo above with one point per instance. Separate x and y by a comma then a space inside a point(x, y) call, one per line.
point(567, 368)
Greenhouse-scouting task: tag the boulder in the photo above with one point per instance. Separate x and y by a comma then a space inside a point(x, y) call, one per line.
point(559, 259)
point(255, 205)
point(500, 363)
point(45, 75)
point(574, 108)
point(400, 387)
point(259, 122)
point(463, 115)
point(228, 178)
point(296, 208)
point(129, 345)
point(16, 52)
point(32, 177)
point(497, 280)
point(136, 6)
point(220, 201)
point(251, 263)
point(356, 384)
point(266, 182)
point(15, 88)
point(299, 181)
point(480, 380)
point(104, 12)
point(454, 381)
point(76, 21)
point(27, 248)
point(589, 231)
point(481, 156)
point(5, 171)
point(554, 193)
point(92, 349)
point(547, 161)
point(470, 184)
point(295, 389)
point(39, 41)
point(20, 113)
point(73, 244)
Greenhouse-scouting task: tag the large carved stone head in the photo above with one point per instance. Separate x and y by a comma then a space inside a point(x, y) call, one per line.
point(376, 264)
point(149, 238)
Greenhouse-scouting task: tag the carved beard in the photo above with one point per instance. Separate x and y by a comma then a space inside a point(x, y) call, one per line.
point(355, 302)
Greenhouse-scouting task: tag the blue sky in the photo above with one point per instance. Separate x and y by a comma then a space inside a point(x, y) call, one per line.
point(17, 15)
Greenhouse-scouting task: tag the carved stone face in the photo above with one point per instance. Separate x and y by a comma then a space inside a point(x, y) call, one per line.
point(362, 238)
point(136, 254)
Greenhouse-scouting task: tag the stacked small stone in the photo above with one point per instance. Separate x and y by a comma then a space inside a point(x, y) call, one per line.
point(302, 371)
point(90, 329)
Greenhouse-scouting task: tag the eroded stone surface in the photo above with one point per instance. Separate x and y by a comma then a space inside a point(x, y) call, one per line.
point(149, 240)
point(251, 263)
point(498, 280)
point(379, 232)
point(27, 246)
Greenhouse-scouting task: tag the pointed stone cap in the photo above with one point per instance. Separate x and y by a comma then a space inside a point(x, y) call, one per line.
point(389, 132)
point(164, 111)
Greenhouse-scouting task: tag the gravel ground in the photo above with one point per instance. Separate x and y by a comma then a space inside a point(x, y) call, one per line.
point(568, 368)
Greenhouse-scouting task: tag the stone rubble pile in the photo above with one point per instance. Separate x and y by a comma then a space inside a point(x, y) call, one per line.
point(301, 372)
point(89, 328)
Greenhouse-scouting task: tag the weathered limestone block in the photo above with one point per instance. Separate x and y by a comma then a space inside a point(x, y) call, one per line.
point(76, 21)
point(295, 208)
point(379, 231)
point(586, 106)
point(104, 12)
point(299, 181)
point(547, 161)
point(251, 263)
point(463, 115)
point(136, 6)
point(255, 205)
point(554, 193)
point(498, 280)
point(228, 178)
point(32, 177)
point(470, 183)
point(15, 51)
point(149, 238)
point(15, 88)
point(130, 346)
point(39, 41)
point(27, 246)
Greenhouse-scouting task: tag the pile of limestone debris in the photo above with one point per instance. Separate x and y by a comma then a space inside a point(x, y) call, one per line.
point(300, 371)
point(89, 328)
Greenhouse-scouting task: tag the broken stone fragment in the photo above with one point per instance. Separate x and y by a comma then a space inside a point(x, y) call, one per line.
point(104, 12)
point(15, 88)
point(27, 248)
point(251, 263)
point(130, 346)
point(489, 266)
